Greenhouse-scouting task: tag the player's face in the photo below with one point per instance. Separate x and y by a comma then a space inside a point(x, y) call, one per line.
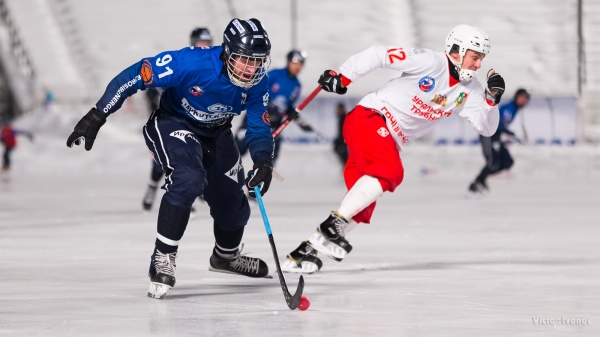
point(203, 44)
point(472, 60)
point(245, 68)
point(295, 68)
point(522, 100)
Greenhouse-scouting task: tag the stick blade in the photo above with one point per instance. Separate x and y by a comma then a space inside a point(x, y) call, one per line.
point(293, 301)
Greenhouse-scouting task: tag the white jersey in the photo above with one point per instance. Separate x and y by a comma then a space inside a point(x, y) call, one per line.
point(424, 93)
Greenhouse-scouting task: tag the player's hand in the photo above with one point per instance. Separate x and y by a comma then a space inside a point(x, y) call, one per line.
point(495, 87)
point(87, 129)
point(261, 176)
point(332, 82)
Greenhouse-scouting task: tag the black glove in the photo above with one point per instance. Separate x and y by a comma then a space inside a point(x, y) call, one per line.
point(262, 173)
point(87, 129)
point(495, 87)
point(331, 82)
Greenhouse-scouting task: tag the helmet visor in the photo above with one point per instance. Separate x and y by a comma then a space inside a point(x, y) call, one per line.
point(246, 71)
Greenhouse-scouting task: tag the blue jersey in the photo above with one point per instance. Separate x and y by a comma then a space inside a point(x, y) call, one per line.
point(508, 112)
point(197, 91)
point(284, 89)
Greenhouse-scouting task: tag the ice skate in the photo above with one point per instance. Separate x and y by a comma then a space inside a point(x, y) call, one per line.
point(161, 273)
point(478, 188)
point(149, 196)
point(302, 260)
point(330, 237)
point(239, 265)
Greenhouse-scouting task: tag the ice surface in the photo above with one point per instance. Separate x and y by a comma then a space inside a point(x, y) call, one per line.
point(75, 246)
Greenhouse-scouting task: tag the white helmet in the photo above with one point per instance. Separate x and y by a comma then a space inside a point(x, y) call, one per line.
point(466, 37)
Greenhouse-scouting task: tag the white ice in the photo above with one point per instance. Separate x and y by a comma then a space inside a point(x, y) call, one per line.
point(523, 261)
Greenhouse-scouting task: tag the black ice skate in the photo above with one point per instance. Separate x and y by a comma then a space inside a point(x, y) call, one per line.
point(302, 260)
point(330, 237)
point(239, 265)
point(149, 196)
point(161, 273)
point(478, 187)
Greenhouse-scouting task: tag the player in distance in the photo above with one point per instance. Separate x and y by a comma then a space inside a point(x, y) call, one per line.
point(431, 86)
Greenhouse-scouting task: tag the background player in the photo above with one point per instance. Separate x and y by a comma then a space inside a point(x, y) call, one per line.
point(432, 86)
point(200, 37)
point(190, 137)
point(494, 148)
point(284, 90)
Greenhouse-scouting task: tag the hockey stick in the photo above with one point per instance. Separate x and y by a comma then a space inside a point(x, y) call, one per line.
point(291, 300)
point(299, 108)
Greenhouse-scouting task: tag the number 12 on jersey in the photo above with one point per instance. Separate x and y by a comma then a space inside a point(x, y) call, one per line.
point(396, 54)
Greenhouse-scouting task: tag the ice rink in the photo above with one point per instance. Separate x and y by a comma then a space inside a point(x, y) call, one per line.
point(522, 261)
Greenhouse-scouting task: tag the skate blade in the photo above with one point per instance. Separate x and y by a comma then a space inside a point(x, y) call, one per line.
point(291, 266)
point(232, 273)
point(324, 246)
point(158, 290)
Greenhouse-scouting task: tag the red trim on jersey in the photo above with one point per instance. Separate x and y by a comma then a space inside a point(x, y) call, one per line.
point(453, 81)
point(345, 80)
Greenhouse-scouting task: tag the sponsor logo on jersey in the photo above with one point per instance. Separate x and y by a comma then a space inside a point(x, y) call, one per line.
point(220, 108)
point(119, 92)
point(233, 172)
point(383, 132)
point(427, 83)
point(196, 90)
point(266, 118)
point(462, 97)
point(205, 117)
point(439, 99)
point(275, 87)
point(393, 124)
point(147, 73)
point(427, 111)
point(183, 134)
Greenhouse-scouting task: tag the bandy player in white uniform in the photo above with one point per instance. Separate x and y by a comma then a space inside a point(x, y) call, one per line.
point(432, 86)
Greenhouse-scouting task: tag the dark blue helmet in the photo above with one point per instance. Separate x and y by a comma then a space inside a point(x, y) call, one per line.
point(200, 34)
point(246, 52)
point(296, 55)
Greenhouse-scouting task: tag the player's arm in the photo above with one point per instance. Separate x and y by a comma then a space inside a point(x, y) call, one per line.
point(151, 72)
point(481, 115)
point(405, 60)
point(259, 139)
point(158, 71)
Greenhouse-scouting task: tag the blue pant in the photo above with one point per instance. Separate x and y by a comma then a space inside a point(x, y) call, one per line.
point(197, 163)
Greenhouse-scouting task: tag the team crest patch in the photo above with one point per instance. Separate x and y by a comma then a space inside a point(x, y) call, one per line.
point(266, 118)
point(439, 99)
point(383, 132)
point(462, 97)
point(147, 73)
point(426, 84)
point(196, 90)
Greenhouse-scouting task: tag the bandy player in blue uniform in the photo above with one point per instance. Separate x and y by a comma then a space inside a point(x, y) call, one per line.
point(190, 137)
point(284, 91)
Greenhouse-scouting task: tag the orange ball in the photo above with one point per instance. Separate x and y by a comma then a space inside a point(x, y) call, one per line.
point(304, 303)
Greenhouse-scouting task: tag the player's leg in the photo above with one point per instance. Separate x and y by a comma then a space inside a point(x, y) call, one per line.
point(277, 146)
point(373, 167)
point(180, 156)
point(479, 185)
point(155, 176)
point(228, 207)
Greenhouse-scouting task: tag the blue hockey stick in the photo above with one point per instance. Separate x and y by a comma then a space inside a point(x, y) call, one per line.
point(291, 300)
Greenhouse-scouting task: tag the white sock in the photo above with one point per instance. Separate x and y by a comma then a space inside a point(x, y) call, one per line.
point(366, 191)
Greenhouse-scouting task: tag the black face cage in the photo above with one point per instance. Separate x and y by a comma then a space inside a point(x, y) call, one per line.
point(246, 71)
